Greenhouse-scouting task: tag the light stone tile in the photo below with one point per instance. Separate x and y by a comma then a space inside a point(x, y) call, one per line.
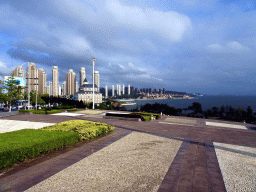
point(67, 114)
point(225, 125)
point(14, 125)
point(238, 166)
point(137, 162)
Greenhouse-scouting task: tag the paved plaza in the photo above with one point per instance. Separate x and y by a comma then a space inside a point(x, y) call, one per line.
point(168, 154)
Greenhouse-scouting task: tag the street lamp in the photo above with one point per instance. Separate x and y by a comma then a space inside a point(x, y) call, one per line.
point(93, 63)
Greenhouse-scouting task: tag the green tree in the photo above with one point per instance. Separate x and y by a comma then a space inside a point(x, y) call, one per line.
point(14, 91)
point(196, 107)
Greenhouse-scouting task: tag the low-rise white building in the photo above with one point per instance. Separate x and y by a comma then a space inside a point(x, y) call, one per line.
point(85, 93)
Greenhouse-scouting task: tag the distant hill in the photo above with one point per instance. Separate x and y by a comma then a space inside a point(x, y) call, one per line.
point(176, 92)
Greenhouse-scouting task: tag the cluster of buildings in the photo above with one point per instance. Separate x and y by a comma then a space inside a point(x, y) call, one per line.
point(36, 80)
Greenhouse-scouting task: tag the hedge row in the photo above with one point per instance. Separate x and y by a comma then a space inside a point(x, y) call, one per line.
point(17, 145)
point(86, 129)
point(74, 109)
point(123, 115)
point(156, 115)
point(40, 111)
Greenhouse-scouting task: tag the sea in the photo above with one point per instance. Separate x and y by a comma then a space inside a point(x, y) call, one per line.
point(207, 102)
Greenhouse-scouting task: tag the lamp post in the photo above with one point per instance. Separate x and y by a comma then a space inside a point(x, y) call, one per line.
point(93, 63)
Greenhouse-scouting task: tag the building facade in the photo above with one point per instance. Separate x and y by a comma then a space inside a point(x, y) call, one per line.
point(55, 81)
point(85, 93)
point(18, 72)
point(64, 87)
point(70, 82)
point(82, 75)
point(42, 88)
point(32, 77)
point(97, 79)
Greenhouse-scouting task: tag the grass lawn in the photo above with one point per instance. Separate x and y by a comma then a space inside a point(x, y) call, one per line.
point(18, 145)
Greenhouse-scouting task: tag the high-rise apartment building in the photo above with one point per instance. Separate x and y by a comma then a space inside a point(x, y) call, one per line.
point(50, 88)
point(55, 81)
point(32, 77)
point(41, 81)
point(82, 75)
point(70, 82)
point(113, 90)
point(97, 80)
point(59, 87)
point(106, 91)
point(129, 89)
point(123, 89)
point(18, 72)
point(64, 87)
point(77, 86)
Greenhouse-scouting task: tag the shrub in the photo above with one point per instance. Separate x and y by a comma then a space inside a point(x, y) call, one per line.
point(86, 129)
point(52, 111)
point(74, 109)
point(38, 112)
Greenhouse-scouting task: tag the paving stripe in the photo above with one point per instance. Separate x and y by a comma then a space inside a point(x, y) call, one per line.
point(176, 124)
point(171, 178)
point(225, 125)
point(238, 166)
point(215, 178)
point(137, 162)
point(31, 176)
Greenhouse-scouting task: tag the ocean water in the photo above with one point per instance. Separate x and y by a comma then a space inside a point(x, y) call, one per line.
point(207, 102)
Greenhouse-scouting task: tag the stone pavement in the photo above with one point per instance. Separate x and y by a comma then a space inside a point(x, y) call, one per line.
point(169, 154)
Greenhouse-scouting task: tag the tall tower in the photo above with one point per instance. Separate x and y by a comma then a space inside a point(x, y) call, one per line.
point(129, 89)
point(32, 76)
point(97, 80)
point(106, 91)
point(41, 81)
point(64, 87)
point(82, 75)
point(18, 72)
point(113, 90)
point(119, 89)
point(76, 87)
point(55, 81)
point(50, 88)
point(123, 89)
point(70, 82)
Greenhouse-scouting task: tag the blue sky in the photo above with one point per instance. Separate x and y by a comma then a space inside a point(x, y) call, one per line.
point(197, 46)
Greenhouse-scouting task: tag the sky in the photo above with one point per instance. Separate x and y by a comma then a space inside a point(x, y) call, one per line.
point(192, 46)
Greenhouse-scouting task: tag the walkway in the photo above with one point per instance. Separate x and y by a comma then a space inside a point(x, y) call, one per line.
point(170, 154)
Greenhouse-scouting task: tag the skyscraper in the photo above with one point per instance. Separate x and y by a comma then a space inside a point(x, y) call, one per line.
point(82, 75)
point(106, 91)
point(55, 81)
point(50, 88)
point(18, 72)
point(129, 89)
point(32, 77)
point(123, 89)
point(97, 80)
point(113, 90)
point(77, 86)
point(41, 81)
point(70, 82)
point(64, 87)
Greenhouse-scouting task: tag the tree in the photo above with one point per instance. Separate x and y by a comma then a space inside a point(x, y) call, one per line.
point(14, 91)
point(196, 107)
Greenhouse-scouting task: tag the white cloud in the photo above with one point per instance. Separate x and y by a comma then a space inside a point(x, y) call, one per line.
point(237, 46)
point(230, 47)
point(170, 25)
